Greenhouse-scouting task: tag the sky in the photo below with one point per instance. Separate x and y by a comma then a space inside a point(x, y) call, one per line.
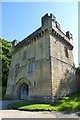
point(19, 19)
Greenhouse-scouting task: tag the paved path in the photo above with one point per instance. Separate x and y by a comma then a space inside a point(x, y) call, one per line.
point(26, 114)
point(4, 103)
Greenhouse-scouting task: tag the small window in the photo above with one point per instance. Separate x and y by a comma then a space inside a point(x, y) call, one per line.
point(16, 70)
point(31, 66)
point(34, 83)
point(66, 52)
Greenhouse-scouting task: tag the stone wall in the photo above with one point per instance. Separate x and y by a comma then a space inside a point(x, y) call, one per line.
point(38, 53)
point(63, 70)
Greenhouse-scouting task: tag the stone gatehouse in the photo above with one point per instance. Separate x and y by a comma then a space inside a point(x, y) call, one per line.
point(42, 66)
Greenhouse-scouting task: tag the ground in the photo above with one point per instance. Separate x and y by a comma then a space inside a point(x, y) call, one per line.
point(30, 114)
point(27, 114)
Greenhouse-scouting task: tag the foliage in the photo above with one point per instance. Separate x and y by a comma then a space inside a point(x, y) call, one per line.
point(69, 103)
point(5, 55)
point(78, 71)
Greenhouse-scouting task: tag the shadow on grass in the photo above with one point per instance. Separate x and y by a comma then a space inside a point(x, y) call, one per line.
point(24, 103)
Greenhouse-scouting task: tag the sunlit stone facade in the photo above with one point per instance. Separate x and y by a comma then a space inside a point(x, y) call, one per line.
point(42, 66)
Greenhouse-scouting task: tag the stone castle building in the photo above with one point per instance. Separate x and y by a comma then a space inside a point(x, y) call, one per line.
point(42, 66)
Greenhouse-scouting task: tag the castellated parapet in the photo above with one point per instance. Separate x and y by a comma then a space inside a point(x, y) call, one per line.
point(42, 66)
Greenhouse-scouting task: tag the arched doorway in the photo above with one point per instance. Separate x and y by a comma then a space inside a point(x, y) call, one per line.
point(24, 91)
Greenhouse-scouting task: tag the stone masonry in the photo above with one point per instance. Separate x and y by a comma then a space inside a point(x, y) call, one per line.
point(42, 66)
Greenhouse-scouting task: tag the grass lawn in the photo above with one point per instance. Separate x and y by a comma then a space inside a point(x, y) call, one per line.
point(69, 103)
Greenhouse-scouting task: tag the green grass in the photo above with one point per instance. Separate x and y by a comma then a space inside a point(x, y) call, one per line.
point(69, 103)
point(35, 107)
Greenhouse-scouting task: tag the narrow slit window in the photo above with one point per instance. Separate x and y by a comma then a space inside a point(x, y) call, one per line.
point(66, 52)
point(31, 67)
point(34, 83)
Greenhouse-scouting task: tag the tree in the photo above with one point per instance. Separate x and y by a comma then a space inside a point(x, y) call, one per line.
point(78, 78)
point(5, 55)
point(78, 71)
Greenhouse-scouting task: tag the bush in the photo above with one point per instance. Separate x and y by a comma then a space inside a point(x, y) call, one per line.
point(78, 71)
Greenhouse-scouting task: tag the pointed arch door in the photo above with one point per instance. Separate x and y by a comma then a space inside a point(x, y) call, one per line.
point(24, 91)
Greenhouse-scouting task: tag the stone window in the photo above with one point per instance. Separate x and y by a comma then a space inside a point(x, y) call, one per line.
point(31, 66)
point(34, 83)
point(66, 52)
point(17, 66)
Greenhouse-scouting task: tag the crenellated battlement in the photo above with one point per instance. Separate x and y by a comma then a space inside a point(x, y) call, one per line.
point(46, 17)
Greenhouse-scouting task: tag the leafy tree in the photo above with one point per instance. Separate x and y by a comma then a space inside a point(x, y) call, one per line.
point(78, 78)
point(5, 55)
point(78, 71)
